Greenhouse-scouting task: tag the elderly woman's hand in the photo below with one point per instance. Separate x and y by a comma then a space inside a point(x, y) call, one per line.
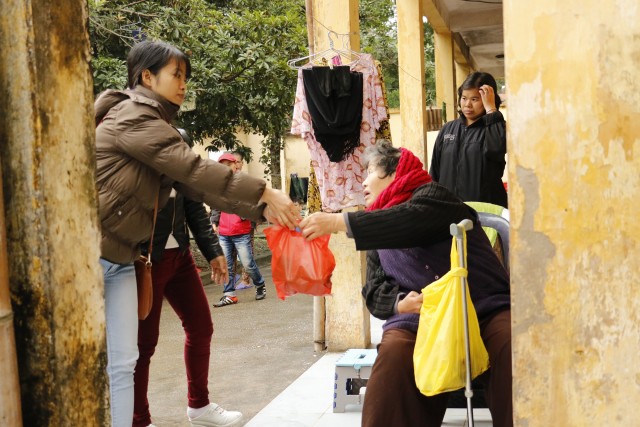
point(320, 224)
point(410, 303)
point(280, 209)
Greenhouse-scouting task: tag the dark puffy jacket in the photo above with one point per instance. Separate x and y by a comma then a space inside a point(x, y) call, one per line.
point(174, 218)
point(139, 157)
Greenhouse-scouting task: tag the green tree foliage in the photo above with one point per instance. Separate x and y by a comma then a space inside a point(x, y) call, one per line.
point(379, 37)
point(239, 52)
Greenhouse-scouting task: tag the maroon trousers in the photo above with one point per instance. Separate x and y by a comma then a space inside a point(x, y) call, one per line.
point(176, 278)
point(392, 398)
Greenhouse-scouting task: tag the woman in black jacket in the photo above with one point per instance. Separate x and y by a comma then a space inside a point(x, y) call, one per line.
point(468, 156)
point(406, 232)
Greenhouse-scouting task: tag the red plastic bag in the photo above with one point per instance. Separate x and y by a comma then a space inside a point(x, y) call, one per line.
point(298, 265)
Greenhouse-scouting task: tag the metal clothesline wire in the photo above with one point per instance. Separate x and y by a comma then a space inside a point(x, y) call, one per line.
point(347, 35)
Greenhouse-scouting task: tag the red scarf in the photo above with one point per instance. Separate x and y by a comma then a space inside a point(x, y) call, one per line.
point(409, 176)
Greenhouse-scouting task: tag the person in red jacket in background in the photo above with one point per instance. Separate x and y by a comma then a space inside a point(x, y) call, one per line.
point(235, 235)
point(244, 281)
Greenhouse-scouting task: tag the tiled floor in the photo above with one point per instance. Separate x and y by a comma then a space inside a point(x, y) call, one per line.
point(308, 401)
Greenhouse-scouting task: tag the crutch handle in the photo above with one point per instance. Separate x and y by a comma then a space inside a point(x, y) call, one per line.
point(456, 229)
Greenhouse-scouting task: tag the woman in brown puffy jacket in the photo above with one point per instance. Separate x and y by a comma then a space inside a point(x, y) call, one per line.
point(140, 158)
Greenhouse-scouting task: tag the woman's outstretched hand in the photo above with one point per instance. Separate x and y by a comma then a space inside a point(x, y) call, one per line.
point(280, 209)
point(320, 224)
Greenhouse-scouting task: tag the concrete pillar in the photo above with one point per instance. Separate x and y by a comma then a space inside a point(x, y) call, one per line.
point(52, 231)
point(411, 78)
point(574, 144)
point(10, 406)
point(445, 73)
point(340, 16)
point(347, 318)
point(462, 71)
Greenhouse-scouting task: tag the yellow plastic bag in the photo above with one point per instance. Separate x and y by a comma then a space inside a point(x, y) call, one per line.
point(439, 354)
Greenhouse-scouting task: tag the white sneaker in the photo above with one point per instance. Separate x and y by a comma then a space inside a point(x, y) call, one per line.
point(216, 416)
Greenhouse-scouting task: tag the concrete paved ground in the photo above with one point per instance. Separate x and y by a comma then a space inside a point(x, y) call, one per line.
point(259, 348)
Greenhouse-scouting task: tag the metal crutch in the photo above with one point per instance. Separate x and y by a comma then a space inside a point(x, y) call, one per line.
point(457, 231)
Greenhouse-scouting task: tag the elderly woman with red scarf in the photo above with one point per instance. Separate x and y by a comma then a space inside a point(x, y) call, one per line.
point(405, 230)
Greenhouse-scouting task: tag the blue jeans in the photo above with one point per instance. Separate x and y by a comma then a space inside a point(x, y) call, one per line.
point(242, 244)
point(121, 306)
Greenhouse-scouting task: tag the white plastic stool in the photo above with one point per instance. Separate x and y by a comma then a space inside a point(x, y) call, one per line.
point(353, 364)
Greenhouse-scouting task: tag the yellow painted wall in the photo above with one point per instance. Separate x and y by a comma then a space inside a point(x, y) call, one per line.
point(255, 168)
point(199, 149)
point(446, 89)
point(296, 159)
point(395, 124)
point(574, 162)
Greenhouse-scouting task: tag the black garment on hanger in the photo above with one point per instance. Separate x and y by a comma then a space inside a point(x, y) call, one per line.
point(299, 188)
point(334, 99)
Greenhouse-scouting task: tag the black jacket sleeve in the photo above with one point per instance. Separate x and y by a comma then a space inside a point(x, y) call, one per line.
point(200, 226)
point(422, 220)
point(379, 295)
point(495, 137)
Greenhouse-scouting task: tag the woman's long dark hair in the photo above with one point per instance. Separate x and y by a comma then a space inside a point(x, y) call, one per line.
point(474, 81)
point(152, 56)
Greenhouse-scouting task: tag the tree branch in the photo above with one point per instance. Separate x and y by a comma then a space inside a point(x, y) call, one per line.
point(134, 3)
point(135, 12)
point(234, 76)
point(121, 36)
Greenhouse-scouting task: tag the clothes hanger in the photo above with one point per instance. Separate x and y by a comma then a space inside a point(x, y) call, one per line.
point(320, 58)
point(347, 51)
point(137, 33)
